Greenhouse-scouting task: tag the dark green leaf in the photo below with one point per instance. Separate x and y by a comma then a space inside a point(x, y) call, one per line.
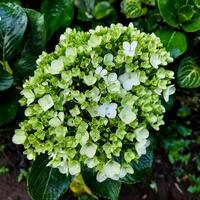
point(188, 75)
point(193, 25)
point(108, 189)
point(46, 183)
point(186, 12)
point(8, 107)
point(174, 42)
point(141, 169)
point(168, 10)
point(102, 9)
point(12, 27)
point(34, 45)
point(58, 14)
point(6, 80)
point(197, 3)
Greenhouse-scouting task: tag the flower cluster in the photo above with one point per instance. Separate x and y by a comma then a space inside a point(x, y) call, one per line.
point(93, 100)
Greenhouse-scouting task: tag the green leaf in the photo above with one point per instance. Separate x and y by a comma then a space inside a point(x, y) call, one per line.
point(108, 189)
point(186, 12)
point(12, 27)
point(34, 45)
point(188, 75)
point(46, 183)
point(8, 106)
point(6, 80)
point(193, 25)
point(102, 9)
point(168, 10)
point(141, 169)
point(197, 3)
point(174, 42)
point(58, 14)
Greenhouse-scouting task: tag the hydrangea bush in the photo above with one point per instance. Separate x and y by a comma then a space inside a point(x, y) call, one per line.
point(93, 101)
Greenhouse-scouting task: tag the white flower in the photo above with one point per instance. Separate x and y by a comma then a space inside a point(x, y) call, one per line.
point(28, 93)
point(128, 80)
point(158, 91)
point(108, 59)
point(129, 48)
point(100, 71)
point(56, 66)
point(91, 163)
point(141, 134)
point(63, 168)
point(155, 60)
point(57, 121)
point(46, 102)
point(101, 177)
point(140, 147)
point(19, 137)
point(125, 168)
point(89, 150)
point(127, 115)
point(169, 91)
point(112, 169)
point(108, 110)
point(74, 167)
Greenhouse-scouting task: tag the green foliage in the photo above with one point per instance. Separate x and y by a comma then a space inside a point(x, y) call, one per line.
point(57, 11)
point(45, 183)
point(174, 42)
point(188, 75)
point(6, 80)
point(108, 189)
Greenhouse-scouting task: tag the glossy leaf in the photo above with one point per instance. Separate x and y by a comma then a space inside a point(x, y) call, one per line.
point(188, 75)
point(108, 189)
point(141, 169)
point(6, 80)
point(168, 11)
point(193, 25)
point(12, 27)
point(186, 12)
point(8, 106)
point(34, 45)
point(174, 42)
point(46, 183)
point(58, 14)
point(102, 9)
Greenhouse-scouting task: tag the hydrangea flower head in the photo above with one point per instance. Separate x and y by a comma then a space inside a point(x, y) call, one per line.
point(97, 92)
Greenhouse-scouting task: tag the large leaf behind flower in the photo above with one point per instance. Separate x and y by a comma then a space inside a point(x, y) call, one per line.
point(141, 169)
point(46, 183)
point(58, 14)
point(108, 189)
point(12, 27)
point(35, 42)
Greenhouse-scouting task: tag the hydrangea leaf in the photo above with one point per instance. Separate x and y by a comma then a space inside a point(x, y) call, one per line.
point(35, 43)
point(141, 168)
point(168, 10)
point(174, 42)
point(188, 75)
point(193, 25)
point(12, 27)
point(46, 183)
point(6, 80)
point(102, 9)
point(108, 189)
point(57, 11)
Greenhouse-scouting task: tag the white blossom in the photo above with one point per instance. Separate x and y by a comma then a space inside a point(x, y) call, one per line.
point(74, 167)
point(129, 48)
point(140, 147)
point(128, 80)
point(19, 137)
point(127, 115)
point(46, 102)
point(89, 150)
point(108, 110)
point(155, 60)
point(101, 176)
point(63, 168)
point(56, 66)
point(169, 91)
point(28, 93)
point(112, 169)
point(100, 71)
point(141, 134)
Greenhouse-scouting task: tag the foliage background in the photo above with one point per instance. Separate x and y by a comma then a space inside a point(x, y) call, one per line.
point(28, 27)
